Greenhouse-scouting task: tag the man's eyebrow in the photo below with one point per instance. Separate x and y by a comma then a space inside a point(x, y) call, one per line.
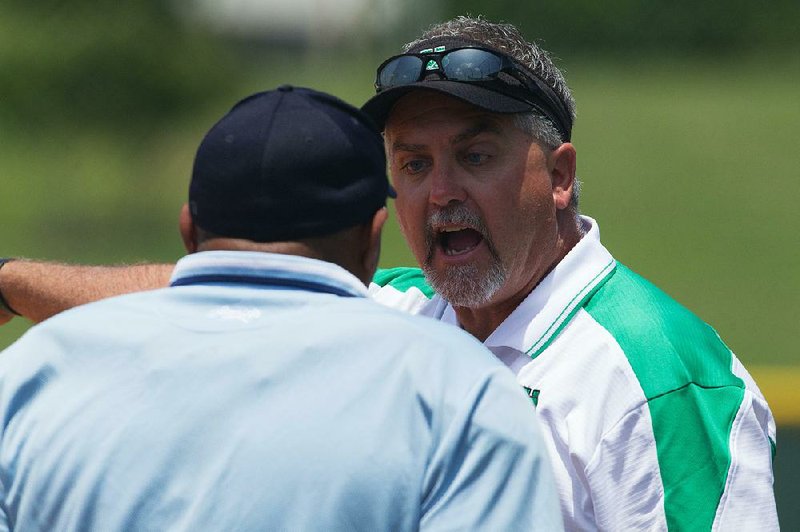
point(404, 146)
point(484, 126)
point(481, 127)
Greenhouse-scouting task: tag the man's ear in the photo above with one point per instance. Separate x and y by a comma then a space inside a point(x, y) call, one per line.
point(373, 252)
point(562, 164)
point(187, 228)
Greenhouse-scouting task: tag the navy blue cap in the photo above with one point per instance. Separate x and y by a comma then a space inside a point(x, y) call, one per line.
point(288, 164)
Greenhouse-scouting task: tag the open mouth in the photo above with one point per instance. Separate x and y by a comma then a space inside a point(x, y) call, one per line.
point(458, 240)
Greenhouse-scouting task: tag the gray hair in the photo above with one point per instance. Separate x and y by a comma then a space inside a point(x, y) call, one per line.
point(546, 134)
point(538, 127)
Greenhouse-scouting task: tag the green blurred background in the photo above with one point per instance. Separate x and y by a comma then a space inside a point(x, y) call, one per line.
point(687, 136)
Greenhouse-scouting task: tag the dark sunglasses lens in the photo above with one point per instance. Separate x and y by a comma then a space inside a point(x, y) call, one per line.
point(470, 64)
point(400, 71)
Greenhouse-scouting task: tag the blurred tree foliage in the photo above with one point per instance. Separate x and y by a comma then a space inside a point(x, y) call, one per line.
point(117, 64)
point(671, 26)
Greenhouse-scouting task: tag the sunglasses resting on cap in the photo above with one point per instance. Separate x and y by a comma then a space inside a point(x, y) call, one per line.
point(481, 76)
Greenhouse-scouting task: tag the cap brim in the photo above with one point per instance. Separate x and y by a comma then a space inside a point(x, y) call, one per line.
point(380, 106)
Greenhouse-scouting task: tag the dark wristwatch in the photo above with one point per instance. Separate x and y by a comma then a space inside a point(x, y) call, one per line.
point(3, 303)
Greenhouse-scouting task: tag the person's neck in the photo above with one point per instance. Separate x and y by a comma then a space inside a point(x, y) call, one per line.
point(239, 244)
point(345, 255)
point(482, 322)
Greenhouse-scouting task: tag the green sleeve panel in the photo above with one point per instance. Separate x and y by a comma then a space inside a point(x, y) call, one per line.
point(692, 429)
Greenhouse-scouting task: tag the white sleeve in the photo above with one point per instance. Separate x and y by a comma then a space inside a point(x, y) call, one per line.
point(624, 477)
point(748, 502)
point(410, 300)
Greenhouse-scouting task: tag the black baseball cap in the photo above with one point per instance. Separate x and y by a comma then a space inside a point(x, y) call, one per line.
point(288, 164)
point(503, 93)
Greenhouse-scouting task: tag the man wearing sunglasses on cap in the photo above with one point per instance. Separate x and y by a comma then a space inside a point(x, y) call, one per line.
point(651, 421)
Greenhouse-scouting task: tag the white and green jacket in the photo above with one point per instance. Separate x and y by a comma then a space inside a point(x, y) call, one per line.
point(652, 422)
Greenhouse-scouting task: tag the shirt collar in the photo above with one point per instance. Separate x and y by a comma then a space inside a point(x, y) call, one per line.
point(268, 269)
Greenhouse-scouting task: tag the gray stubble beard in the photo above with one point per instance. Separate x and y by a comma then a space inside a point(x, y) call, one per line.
point(463, 286)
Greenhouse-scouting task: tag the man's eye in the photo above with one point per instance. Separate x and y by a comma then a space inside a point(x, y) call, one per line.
point(476, 158)
point(415, 166)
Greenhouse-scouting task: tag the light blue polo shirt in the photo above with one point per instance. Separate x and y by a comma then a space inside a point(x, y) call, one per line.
point(263, 392)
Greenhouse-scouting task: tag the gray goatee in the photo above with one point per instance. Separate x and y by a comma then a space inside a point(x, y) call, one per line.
point(466, 285)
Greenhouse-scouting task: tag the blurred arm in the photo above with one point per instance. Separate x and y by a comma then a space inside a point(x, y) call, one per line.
point(39, 290)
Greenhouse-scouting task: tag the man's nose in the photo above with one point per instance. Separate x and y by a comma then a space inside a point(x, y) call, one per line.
point(445, 186)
